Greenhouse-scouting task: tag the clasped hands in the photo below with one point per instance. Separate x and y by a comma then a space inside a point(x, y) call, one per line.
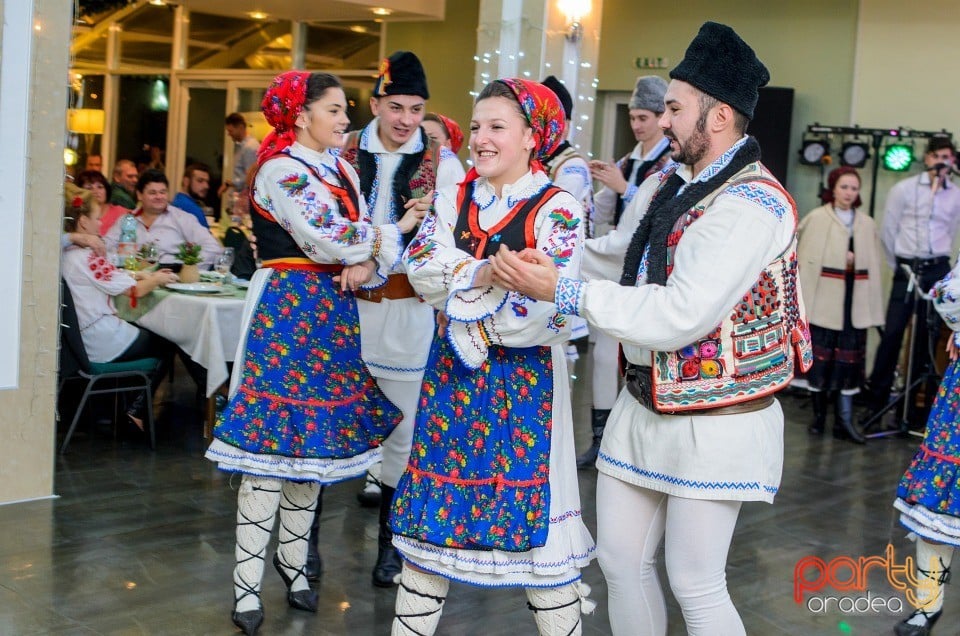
point(529, 272)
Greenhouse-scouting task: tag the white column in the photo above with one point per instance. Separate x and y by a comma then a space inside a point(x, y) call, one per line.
point(528, 39)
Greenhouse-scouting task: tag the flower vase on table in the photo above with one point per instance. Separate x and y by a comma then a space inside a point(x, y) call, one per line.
point(189, 273)
point(189, 255)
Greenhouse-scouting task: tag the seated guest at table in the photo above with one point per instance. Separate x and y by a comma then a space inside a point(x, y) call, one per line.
point(167, 226)
point(97, 183)
point(195, 185)
point(304, 410)
point(124, 182)
point(93, 280)
point(94, 162)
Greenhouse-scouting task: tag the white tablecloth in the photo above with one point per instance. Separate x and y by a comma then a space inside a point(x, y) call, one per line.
point(206, 327)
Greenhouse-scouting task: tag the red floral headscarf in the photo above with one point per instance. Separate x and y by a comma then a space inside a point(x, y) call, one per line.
point(453, 132)
point(544, 112)
point(282, 103)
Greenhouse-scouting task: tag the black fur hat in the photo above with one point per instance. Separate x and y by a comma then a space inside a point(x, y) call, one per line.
point(722, 65)
point(562, 93)
point(401, 74)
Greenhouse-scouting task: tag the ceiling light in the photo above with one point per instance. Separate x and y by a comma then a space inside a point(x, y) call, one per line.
point(158, 3)
point(257, 15)
point(358, 28)
point(381, 11)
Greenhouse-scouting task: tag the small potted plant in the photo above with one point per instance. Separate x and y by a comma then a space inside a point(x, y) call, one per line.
point(189, 254)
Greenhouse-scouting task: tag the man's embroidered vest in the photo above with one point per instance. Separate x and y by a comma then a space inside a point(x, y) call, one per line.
point(750, 354)
point(422, 179)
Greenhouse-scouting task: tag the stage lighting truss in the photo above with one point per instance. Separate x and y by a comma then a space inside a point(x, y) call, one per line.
point(897, 157)
point(854, 153)
point(813, 151)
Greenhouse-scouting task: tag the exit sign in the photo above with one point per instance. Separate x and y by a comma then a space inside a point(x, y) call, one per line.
point(651, 62)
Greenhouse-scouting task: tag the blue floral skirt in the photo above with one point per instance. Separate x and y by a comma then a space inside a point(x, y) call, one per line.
point(305, 406)
point(478, 474)
point(928, 496)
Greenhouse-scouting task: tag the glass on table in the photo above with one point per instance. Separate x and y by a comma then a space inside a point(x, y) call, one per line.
point(223, 264)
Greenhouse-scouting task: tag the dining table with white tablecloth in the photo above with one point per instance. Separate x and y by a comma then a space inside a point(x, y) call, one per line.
point(206, 326)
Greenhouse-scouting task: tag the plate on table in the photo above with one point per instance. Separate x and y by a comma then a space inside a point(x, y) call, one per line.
point(196, 288)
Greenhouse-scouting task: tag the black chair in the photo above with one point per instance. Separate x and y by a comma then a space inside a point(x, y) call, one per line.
point(75, 365)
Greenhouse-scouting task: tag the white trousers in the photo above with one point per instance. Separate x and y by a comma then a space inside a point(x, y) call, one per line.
point(405, 395)
point(605, 375)
point(631, 522)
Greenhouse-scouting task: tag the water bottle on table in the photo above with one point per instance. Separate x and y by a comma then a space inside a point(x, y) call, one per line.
point(127, 245)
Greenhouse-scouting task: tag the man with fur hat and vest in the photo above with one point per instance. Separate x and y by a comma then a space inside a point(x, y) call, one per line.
point(399, 166)
point(707, 309)
point(620, 182)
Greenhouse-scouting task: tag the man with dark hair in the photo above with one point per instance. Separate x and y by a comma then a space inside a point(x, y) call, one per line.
point(920, 223)
point(707, 309)
point(94, 162)
point(245, 148)
point(124, 181)
point(160, 223)
point(194, 188)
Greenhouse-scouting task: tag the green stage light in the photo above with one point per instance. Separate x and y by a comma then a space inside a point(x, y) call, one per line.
point(897, 157)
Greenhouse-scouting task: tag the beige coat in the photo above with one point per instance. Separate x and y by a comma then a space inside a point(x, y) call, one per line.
point(822, 254)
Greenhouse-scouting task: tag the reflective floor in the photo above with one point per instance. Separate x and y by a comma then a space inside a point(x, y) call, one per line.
point(141, 542)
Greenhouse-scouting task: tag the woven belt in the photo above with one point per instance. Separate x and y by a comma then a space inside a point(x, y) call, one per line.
point(397, 287)
point(639, 380)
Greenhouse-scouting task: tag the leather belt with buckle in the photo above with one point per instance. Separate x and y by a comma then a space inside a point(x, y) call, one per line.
point(397, 286)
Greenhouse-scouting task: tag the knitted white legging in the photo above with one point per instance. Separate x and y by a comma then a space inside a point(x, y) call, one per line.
point(421, 596)
point(631, 522)
point(257, 503)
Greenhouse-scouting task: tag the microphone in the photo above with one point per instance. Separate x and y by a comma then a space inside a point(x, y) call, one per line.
point(937, 167)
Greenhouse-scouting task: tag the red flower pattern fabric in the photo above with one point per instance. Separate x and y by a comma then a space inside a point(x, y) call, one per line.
point(281, 104)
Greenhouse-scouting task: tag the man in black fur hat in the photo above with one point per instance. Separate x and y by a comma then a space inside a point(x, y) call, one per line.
point(698, 284)
point(398, 165)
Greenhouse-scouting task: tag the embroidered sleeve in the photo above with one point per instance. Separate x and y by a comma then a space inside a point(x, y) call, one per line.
point(521, 321)
point(105, 276)
point(946, 298)
point(569, 296)
point(308, 211)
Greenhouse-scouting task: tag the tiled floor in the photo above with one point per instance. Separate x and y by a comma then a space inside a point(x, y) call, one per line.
point(141, 542)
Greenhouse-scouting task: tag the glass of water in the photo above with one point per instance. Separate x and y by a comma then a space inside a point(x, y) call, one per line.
point(223, 264)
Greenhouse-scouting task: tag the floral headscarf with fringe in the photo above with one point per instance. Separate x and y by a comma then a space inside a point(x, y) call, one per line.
point(281, 104)
point(543, 111)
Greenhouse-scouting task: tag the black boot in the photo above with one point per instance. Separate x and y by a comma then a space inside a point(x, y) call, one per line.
point(598, 422)
point(389, 563)
point(819, 401)
point(314, 565)
point(843, 427)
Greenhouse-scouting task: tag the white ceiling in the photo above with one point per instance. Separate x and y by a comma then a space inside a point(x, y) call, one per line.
point(320, 10)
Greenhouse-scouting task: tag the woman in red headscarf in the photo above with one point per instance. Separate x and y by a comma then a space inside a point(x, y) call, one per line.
point(840, 257)
point(490, 493)
point(443, 130)
point(303, 409)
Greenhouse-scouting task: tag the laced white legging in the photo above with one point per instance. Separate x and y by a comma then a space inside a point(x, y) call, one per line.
point(257, 502)
point(631, 521)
